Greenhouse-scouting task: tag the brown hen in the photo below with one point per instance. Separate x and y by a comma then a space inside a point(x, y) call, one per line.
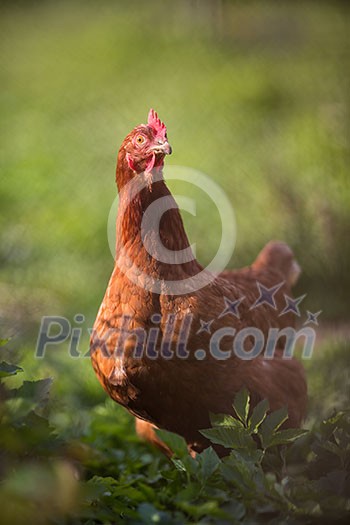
point(164, 340)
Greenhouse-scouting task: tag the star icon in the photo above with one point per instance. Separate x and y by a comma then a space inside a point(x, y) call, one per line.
point(292, 305)
point(266, 295)
point(312, 318)
point(205, 326)
point(231, 307)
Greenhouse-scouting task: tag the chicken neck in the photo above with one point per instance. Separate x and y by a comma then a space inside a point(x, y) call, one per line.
point(153, 238)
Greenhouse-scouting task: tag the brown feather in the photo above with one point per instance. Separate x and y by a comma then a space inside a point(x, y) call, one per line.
point(177, 394)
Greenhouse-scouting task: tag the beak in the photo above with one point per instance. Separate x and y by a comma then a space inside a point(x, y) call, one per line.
point(162, 147)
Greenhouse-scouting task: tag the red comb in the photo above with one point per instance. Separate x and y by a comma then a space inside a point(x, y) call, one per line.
point(155, 123)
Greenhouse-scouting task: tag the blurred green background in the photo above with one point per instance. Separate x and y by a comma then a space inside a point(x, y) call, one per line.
point(254, 94)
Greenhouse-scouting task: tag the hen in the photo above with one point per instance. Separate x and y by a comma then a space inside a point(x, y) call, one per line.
point(162, 343)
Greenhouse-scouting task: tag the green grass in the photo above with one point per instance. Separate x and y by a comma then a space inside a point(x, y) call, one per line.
point(259, 104)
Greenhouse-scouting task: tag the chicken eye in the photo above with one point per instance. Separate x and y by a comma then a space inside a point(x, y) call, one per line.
point(140, 139)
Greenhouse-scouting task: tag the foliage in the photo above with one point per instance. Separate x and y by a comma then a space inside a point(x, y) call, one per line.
point(103, 475)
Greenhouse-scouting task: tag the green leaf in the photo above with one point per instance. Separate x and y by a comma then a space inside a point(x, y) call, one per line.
point(179, 464)
point(224, 420)
point(289, 435)
point(258, 415)
point(35, 391)
point(235, 509)
point(225, 436)
point(238, 471)
point(3, 342)
point(272, 423)
point(150, 514)
point(241, 405)
point(175, 442)
point(191, 464)
point(253, 455)
point(209, 462)
point(7, 369)
point(198, 510)
point(101, 486)
point(332, 447)
point(229, 437)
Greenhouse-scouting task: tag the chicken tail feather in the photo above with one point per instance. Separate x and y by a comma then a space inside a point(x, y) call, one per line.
point(279, 255)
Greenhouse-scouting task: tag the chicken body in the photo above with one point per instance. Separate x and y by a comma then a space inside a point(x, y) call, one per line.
point(159, 353)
